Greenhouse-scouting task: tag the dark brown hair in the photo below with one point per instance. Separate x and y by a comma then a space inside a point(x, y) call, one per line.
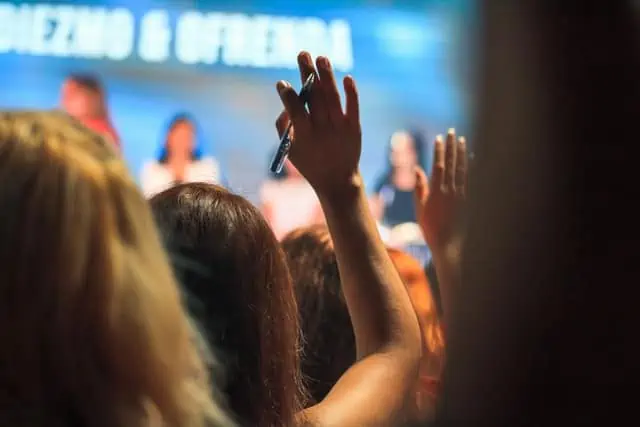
point(239, 289)
point(329, 347)
point(329, 343)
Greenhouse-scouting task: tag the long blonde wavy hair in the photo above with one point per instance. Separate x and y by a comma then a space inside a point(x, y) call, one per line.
point(92, 329)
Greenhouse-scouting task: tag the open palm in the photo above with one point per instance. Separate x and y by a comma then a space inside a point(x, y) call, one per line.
point(438, 201)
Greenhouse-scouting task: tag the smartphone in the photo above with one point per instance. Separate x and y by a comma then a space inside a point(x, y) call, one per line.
point(285, 143)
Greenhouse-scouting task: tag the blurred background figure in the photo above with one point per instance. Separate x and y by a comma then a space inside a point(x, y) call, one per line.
point(329, 347)
point(83, 97)
point(152, 62)
point(289, 202)
point(392, 202)
point(180, 159)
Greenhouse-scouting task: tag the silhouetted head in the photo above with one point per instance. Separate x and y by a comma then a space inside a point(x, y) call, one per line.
point(239, 288)
point(329, 344)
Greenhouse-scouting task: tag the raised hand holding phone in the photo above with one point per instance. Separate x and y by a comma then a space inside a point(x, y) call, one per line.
point(326, 140)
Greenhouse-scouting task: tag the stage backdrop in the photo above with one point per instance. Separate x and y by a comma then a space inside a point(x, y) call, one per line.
point(220, 61)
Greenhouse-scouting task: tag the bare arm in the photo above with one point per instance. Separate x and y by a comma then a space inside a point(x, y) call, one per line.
point(326, 150)
point(438, 205)
point(376, 206)
point(377, 389)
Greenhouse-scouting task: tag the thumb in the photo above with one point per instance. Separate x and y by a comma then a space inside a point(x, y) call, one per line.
point(282, 122)
point(421, 192)
point(292, 103)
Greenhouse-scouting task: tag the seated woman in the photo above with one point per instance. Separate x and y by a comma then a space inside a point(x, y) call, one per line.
point(329, 342)
point(92, 328)
point(180, 159)
point(230, 261)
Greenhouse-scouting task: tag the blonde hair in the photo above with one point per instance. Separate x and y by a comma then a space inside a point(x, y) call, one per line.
point(92, 330)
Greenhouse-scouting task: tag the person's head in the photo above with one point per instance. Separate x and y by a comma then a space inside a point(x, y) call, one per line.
point(329, 343)
point(82, 96)
point(233, 268)
point(92, 328)
point(405, 151)
point(180, 139)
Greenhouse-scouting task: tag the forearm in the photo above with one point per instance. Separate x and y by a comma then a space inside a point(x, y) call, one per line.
point(381, 312)
point(447, 263)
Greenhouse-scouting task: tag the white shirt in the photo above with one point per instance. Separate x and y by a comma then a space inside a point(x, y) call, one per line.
point(292, 204)
point(157, 177)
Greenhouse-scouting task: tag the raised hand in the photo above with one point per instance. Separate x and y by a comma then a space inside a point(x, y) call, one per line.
point(326, 141)
point(438, 202)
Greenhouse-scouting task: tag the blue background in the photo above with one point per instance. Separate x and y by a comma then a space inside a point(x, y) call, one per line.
point(412, 63)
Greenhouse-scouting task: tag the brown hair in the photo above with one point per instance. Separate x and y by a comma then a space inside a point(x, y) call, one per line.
point(329, 343)
point(232, 266)
point(91, 325)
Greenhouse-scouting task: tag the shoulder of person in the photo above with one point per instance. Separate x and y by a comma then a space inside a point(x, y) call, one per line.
point(207, 165)
point(151, 166)
point(270, 190)
point(207, 161)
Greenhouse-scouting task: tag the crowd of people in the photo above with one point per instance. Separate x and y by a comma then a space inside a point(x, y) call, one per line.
point(185, 307)
point(185, 303)
point(287, 200)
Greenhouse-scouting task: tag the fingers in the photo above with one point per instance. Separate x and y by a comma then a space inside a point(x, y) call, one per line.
point(317, 105)
point(421, 191)
point(331, 94)
point(292, 105)
point(353, 104)
point(450, 161)
point(305, 65)
point(461, 166)
point(282, 122)
point(437, 172)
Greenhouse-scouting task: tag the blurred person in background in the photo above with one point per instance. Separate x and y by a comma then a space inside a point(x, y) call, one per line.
point(180, 159)
point(289, 202)
point(392, 202)
point(92, 327)
point(83, 97)
point(329, 342)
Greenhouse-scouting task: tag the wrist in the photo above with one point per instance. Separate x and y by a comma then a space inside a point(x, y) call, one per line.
point(348, 191)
